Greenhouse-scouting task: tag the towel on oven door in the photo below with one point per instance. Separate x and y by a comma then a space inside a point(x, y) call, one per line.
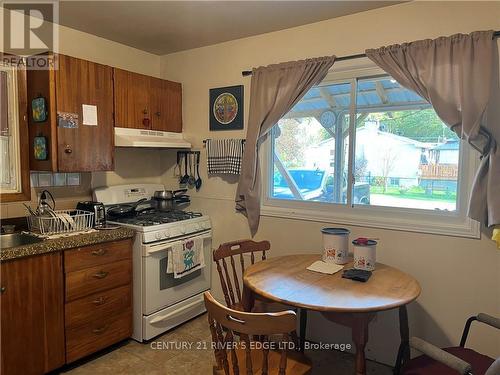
point(186, 257)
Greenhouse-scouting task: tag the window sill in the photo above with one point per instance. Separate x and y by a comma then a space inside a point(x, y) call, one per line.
point(428, 222)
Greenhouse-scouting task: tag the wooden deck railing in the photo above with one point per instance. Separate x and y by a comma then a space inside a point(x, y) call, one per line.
point(439, 171)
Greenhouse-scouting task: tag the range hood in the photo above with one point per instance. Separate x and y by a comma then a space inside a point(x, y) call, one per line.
point(125, 137)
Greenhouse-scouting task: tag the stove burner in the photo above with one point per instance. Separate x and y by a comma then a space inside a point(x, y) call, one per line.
point(155, 217)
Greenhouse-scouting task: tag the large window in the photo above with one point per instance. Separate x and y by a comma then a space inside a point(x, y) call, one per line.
point(365, 144)
point(9, 132)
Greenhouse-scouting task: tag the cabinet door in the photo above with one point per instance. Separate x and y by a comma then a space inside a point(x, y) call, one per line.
point(132, 102)
point(166, 102)
point(32, 315)
point(85, 147)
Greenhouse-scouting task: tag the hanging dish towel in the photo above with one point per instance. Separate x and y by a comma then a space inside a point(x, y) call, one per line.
point(186, 257)
point(224, 155)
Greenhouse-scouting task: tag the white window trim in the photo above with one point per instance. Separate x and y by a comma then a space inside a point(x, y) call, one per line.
point(454, 223)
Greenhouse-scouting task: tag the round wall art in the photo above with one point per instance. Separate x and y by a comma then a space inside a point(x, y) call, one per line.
point(226, 108)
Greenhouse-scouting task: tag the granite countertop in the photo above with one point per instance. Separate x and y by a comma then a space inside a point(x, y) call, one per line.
point(65, 243)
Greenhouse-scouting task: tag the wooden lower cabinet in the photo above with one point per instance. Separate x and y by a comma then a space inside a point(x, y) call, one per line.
point(62, 306)
point(98, 297)
point(32, 320)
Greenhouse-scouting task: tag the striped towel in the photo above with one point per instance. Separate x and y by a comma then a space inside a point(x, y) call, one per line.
point(224, 155)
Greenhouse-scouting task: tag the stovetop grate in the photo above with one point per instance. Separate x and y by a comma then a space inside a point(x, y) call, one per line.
point(155, 217)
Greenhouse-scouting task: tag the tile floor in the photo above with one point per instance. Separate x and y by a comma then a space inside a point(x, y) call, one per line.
point(134, 358)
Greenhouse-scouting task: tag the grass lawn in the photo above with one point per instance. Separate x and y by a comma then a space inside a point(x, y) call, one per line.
point(415, 193)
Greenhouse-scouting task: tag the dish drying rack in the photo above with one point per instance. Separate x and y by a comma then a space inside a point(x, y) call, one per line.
point(61, 222)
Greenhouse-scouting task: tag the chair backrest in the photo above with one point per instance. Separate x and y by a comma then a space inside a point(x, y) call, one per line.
point(232, 295)
point(226, 323)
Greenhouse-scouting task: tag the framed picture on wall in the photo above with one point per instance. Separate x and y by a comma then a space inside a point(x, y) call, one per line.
point(226, 108)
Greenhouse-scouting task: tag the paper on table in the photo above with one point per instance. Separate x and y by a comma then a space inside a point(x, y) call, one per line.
point(329, 268)
point(89, 114)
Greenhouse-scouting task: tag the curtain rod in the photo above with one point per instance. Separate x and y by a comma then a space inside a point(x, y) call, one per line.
point(205, 141)
point(245, 73)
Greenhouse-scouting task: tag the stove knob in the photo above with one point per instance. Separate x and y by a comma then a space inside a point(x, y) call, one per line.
point(167, 234)
point(158, 236)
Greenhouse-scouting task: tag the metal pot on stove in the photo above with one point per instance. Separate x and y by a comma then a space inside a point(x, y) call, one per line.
point(170, 199)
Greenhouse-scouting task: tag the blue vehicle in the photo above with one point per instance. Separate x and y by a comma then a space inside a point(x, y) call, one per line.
point(316, 184)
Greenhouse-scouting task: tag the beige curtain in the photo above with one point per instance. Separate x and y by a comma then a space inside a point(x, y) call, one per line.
point(455, 74)
point(275, 89)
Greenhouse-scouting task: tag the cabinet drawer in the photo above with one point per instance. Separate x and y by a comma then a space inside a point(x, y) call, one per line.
point(90, 256)
point(97, 335)
point(96, 279)
point(98, 306)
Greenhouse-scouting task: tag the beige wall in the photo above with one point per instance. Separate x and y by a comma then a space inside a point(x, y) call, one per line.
point(131, 166)
point(459, 277)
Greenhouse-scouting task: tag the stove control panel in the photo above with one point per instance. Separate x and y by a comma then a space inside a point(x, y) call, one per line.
point(168, 231)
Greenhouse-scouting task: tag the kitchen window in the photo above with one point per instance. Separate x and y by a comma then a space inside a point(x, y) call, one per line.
point(361, 149)
point(10, 167)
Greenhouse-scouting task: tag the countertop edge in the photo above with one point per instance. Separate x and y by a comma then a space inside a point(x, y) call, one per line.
point(65, 243)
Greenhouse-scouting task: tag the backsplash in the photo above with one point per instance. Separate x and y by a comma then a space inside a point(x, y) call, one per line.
point(44, 179)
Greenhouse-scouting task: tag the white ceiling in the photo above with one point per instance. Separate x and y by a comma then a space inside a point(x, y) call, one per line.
point(163, 27)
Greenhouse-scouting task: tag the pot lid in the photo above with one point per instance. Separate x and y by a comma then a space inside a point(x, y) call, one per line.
point(337, 231)
point(362, 241)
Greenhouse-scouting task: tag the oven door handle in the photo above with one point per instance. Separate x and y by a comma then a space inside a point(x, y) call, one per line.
point(151, 249)
point(175, 313)
point(158, 248)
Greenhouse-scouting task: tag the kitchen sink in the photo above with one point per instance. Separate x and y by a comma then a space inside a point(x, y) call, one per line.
point(17, 239)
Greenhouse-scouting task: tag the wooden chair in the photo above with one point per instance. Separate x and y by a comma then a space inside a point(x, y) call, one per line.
point(230, 250)
point(453, 360)
point(231, 332)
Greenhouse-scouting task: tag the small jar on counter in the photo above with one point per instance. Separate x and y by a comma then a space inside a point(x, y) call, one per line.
point(365, 255)
point(335, 245)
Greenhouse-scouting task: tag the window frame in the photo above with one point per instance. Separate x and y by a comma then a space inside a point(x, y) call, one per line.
point(23, 191)
point(454, 223)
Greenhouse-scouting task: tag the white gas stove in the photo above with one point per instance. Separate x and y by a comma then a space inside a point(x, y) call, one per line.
point(160, 301)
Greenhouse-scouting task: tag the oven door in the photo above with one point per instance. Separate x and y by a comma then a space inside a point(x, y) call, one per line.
point(160, 289)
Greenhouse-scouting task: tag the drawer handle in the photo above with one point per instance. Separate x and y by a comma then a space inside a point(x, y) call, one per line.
point(101, 274)
point(99, 301)
point(99, 252)
point(99, 330)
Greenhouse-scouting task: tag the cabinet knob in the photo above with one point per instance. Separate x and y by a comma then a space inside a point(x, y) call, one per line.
point(3, 289)
point(99, 330)
point(158, 114)
point(99, 252)
point(67, 149)
point(101, 274)
point(99, 301)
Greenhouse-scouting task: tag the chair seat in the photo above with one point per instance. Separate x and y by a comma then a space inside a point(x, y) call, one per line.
point(424, 365)
point(296, 363)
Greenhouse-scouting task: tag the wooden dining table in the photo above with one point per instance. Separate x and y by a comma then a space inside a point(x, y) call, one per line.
point(286, 280)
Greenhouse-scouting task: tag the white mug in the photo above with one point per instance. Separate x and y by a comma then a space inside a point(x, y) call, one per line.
point(335, 245)
point(365, 255)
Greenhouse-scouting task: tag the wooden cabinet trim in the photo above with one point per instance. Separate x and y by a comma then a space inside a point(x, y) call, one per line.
point(94, 255)
point(24, 143)
point(99, 278)
point(97, 335)
point(98, 306)
point(32, 315)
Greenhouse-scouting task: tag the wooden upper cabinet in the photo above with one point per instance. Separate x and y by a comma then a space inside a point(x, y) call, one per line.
point(75, 83)
point(166, 105)
point(143, 102)
point(88, 147)
point(32, 315)
point(132, 101)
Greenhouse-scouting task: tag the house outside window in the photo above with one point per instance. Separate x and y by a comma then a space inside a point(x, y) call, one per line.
point(361, 149)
